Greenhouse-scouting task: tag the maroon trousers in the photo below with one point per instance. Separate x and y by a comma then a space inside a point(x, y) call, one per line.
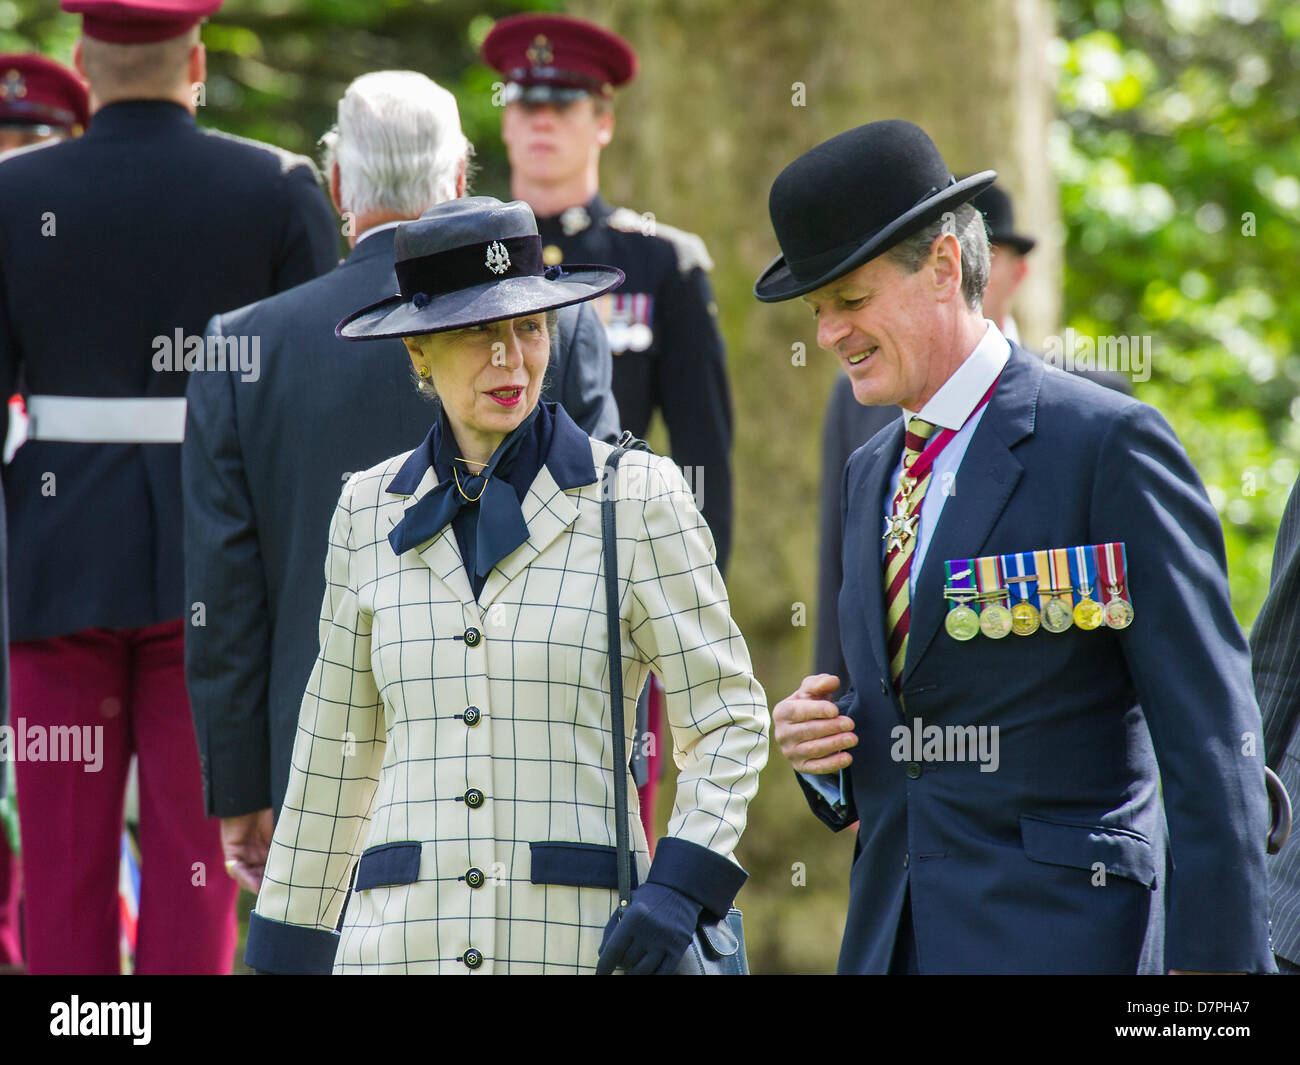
point(128, 688)
point(11, 885)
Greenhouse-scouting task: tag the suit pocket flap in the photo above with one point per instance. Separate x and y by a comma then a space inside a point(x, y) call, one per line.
point(1123, 853)
point(576, 865)
point(389, 864)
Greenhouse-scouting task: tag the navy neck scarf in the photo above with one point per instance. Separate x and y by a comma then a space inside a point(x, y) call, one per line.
point(484, 511)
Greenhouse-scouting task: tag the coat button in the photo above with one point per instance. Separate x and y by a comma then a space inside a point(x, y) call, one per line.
point(906, 859)
point(472, 958)
point(471, 716)
point(474, 878)
point(473, 637)
point(884, 688)
point(473, 798)
point(913, 770)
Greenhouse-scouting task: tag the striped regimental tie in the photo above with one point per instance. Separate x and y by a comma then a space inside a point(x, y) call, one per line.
point(905, 516)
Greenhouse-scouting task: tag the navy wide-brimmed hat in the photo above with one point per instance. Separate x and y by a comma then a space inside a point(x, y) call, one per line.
point(470, 261)
point(853, 197)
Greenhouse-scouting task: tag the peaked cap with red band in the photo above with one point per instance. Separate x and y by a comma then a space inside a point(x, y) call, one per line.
point(557, 57)
point(139, 21)
point(35, 91)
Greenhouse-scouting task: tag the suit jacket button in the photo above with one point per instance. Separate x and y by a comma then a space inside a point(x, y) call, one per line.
point(472, 958)
point(471, 716)
point(913, 770)
point(474, 877)
point(473, 798)
point(473, 637)
point(906, 860)
point(884, 688)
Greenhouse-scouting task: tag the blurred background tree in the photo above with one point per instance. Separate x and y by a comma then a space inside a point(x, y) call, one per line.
point(1149, 143)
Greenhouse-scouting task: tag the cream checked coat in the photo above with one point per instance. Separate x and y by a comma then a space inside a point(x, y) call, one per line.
point(460, 750)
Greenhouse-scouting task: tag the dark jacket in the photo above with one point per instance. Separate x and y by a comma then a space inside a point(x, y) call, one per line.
point(1275, 645)
point(1002, 867)
point(264, 463)
point(111, 245)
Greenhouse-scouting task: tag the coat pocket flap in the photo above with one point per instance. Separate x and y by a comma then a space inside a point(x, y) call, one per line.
point(576, 865)
point(389, 864)
point(719, 937)
point(1121, 852)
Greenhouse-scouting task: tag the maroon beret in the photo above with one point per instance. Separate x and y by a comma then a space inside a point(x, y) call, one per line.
point(35, 91)
point(558, 57)
point(139, 21)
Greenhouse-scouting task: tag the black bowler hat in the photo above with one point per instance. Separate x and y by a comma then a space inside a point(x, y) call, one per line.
point(853, 197)
point(470, 261)
point(1000, 217)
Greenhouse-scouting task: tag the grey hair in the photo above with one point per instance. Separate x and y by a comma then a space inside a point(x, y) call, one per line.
point(424, 385)
point(965, 223)
point(398, 144)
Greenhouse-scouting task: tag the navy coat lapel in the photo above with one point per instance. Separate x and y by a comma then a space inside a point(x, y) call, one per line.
point(985, 480)
point(865, 558)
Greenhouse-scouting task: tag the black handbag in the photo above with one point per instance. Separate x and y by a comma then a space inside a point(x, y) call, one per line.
point(718, 947)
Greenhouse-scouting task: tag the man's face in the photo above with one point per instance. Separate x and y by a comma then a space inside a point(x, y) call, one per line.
point(553, 142)
point(883, 324)
point(1006, 270)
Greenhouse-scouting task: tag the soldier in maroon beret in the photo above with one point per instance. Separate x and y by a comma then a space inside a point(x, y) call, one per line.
point(560, 75)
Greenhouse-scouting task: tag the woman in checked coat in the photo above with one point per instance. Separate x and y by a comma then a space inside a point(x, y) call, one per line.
point(454, 742)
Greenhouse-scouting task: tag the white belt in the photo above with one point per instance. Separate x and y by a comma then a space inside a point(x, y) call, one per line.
point(95, 420)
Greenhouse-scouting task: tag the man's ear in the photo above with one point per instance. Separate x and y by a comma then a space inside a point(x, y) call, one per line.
point(77, 62)
point(198, 64)
point(336, 187)
point(605, 129)
point(945, 260)
point(462, 178)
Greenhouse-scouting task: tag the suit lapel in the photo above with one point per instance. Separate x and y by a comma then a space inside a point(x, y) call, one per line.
point(874, 483)
point(985, 481)
point(442, 553)
point(548, 512)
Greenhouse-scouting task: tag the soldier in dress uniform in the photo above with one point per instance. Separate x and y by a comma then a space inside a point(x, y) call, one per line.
point(118, 247)
point(41, 102)
point(662, 323)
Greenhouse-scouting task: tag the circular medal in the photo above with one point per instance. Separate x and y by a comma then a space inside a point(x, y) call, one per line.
point(1117, 613)
point(962, 623)
point(1087, 614)
point(995, 621)
point(1024, 619)
point(1056, 616)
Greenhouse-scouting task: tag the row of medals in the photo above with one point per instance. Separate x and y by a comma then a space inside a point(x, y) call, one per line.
point(995, 620)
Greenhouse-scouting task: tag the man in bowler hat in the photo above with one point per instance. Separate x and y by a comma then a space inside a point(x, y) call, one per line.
point(849, 424)
point(1053, 857)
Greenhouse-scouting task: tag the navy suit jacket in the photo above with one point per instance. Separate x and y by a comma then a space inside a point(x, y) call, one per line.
point(1275, 645)
point(144, 227)
point(264, 462)
point(1002, 866)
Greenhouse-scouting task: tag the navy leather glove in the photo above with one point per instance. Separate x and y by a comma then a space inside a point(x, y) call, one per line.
point(652, 937)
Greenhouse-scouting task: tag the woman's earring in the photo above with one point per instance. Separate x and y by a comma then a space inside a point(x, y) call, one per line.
point(423, 371)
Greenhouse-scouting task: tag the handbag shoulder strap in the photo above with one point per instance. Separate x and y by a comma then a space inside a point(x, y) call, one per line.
point(609, 537)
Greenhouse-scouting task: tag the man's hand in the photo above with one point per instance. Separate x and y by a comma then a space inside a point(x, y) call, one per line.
point(810, 731)
point(246, 841)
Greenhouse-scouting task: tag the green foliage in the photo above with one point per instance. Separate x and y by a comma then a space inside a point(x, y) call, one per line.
point(1176, 156)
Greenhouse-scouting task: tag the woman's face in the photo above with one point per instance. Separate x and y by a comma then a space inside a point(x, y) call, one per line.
point(488, 377)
